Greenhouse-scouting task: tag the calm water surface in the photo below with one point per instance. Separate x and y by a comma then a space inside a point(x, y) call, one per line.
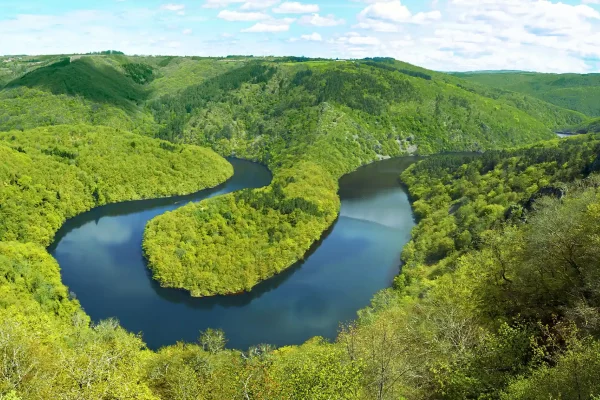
point(102, 263)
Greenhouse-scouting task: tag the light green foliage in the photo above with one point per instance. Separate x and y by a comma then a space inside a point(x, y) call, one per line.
point(12, 67)
point(23, 108)
point(310, 125)
point(316, 370)
point(176, 73)
point(458, 198)
point(571, 91)
point(575, 376)
point(230, 244)
point(93, 90)
point(28, 272)
point(499, 291)
point(47, 348)
point(474, 326)
point(89, 77)
point(40, 359)
point(51, 174)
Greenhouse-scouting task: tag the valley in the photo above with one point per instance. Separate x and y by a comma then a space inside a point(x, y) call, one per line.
point(281, 227)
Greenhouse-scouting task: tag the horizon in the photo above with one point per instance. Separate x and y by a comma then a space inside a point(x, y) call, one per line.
point(441, 35)
point(116, 52)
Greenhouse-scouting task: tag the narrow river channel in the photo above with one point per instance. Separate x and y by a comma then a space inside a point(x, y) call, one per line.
point(101, 261)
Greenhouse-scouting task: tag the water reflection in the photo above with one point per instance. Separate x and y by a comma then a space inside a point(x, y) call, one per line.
point(102, 262)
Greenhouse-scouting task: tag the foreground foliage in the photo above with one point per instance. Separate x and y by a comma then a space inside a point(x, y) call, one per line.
point(510, 314)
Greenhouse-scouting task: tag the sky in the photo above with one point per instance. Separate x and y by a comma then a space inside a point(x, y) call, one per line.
point(444, 35)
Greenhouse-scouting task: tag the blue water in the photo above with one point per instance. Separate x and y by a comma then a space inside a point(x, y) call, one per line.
point(102, 263)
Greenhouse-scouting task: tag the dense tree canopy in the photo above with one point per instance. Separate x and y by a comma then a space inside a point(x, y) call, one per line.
point(572, 91)
point(51, 174)
point(499, 295)
point(310, 122)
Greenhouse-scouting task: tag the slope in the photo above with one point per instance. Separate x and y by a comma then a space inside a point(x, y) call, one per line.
point(589, 126)
point(86, 77)
point(51, 174)
point(572, 91)
point(92, 90)
point(310, 122)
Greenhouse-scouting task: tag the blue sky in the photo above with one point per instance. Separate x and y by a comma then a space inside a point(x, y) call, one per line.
point(457, 35)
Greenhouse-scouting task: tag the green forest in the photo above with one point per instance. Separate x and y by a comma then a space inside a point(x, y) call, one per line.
point(498, 296)
point(573, 91)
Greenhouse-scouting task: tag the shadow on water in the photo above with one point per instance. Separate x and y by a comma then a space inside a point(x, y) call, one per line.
point(129, 207)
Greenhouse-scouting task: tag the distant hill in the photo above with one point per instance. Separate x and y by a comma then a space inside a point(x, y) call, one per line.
point(85, 77)
point(590, 126)
point(115, 89)
point(572, 91)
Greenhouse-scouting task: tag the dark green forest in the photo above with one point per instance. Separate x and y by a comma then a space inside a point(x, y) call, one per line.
point(589, 126)
point(498, 296)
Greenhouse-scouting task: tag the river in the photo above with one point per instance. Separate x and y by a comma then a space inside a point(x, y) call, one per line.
point(101, 262)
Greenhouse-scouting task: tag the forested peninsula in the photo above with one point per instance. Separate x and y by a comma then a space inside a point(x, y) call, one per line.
point(498, 296)
point(310, 122)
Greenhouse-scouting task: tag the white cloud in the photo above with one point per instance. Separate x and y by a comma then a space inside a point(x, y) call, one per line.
point(272, 25)
point(172, 7)
point(317, 20)
point(541, 35)
point(187, 31)
point(354, 38)
point(364, 40)
point(242, 16)
point(426, 17)
point(313, 37)
point(378, 26)
point(379, 16)
point(258, 4)
point(293, 7)
point(393, 11)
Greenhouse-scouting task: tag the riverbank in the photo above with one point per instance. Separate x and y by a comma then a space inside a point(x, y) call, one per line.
point(102, 263)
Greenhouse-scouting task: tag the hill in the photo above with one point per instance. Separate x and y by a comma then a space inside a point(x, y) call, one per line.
point(590, 126)
point(487, 306)
point(310, 122)
point(51, 174)
point(498, 297)
point(91, 90)
point(571, 91)
point(84, 77)
point(290, 113)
